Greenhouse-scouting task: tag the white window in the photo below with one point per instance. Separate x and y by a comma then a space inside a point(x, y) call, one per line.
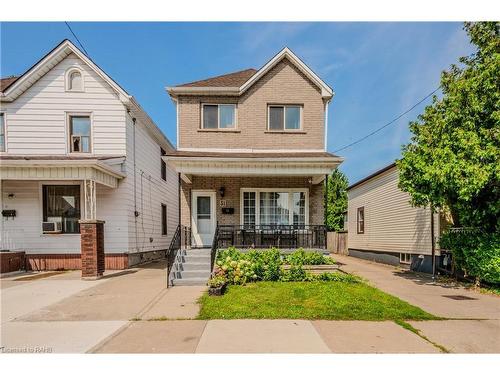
point(2, 132)
point(274, 207)
point(284, 117)
point(218, 116)
point(74, 80)
point(79, 133)
point(405, 258)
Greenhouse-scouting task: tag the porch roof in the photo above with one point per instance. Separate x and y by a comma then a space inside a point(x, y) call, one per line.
point(258, 163)
point(54, 167)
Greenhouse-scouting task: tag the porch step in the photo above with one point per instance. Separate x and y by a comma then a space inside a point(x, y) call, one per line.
point(192, 267)
point(192, 281)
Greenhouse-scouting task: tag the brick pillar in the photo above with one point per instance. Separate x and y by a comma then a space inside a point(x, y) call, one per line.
point(92, 248)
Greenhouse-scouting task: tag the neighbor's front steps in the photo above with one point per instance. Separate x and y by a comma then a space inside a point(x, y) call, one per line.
point(192, 267)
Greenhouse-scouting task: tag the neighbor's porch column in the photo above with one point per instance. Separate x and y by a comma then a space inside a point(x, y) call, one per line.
point(92, 236)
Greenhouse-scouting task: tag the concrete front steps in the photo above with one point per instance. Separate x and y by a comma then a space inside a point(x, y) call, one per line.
point(192, 267)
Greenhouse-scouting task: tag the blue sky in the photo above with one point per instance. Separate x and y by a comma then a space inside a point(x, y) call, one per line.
point(377, 70)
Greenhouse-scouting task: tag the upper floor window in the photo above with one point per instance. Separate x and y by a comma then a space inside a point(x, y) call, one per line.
point(2, 132)
point(163, 165)
point(219, 116)
point(79, 130)
point(74, 80)
point(284, 117)
point(360, 221)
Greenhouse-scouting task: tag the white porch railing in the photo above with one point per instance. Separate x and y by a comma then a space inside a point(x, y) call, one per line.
point(12, 239)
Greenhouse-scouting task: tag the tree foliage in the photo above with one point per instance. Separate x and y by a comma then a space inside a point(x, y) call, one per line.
point(453, 159)
point(336, 200)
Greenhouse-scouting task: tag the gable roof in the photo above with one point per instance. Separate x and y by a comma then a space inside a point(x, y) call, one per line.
point(6, 82)
point(14, 89)
point(235, 79)
point(220, 85)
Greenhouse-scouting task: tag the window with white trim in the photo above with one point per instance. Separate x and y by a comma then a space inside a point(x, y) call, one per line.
point(274, 207)
point(79, 133)
point(404, 258)
point(218, 116)
point(360, 223)
point(2, 132)
point(284, 117)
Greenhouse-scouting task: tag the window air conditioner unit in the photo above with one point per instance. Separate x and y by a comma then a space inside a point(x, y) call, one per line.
point(51, 227)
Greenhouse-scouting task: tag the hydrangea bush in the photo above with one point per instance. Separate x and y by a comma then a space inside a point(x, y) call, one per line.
point(239, 268)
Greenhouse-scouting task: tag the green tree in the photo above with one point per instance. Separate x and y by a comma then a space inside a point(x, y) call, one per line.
point(336, 200)
point(453, 159)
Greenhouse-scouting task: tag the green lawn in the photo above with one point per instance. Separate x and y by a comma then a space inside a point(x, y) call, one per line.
point(308, 300)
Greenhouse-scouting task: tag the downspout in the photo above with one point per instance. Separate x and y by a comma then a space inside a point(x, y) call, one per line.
point(433, 245)
point(136, 213)
point(326, 200)
point(326, 123)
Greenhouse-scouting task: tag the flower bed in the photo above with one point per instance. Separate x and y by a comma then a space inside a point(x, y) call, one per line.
point(238, 268)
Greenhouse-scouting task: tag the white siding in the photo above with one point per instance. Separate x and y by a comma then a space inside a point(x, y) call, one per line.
point(36, 125)
point(151, 192)
point(391, 223)
point(36, 122)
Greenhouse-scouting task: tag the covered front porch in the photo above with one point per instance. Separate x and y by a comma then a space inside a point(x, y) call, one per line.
point(254, 200)
point(50, 210)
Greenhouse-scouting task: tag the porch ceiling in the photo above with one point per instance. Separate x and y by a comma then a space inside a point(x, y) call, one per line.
point(255, 165)
point(59, 169)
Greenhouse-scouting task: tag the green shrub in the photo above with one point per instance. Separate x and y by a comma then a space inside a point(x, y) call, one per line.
point(338, 276)
point(302, 257)
point(236, 267)
point(217, 281)
point(476, 253)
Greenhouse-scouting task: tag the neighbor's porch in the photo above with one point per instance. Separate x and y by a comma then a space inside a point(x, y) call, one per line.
point(49, 211)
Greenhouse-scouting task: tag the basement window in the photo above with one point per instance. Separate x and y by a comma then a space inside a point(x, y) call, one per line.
point(404, 258)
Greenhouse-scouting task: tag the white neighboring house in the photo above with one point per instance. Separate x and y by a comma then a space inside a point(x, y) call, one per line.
point(75, 145)
point(384, 227)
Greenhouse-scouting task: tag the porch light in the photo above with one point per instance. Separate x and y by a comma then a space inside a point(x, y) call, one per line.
point(222, 190)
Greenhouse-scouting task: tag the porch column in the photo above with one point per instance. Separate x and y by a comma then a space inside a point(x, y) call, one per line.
point(92, 248)
point(92, 236)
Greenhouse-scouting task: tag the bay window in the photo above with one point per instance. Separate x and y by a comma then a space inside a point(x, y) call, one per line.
point(274, 207)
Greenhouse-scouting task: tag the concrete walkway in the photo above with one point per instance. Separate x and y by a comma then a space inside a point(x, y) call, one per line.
point(440, 299)
point(264, 336)
point(133, 312)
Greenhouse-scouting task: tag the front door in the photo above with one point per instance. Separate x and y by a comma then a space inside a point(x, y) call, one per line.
point(203, 219)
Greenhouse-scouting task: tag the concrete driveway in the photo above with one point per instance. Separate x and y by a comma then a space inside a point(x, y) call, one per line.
point(62, 313)
point(474, 325)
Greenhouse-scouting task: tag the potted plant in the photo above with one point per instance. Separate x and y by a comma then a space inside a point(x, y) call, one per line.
point(217, 285)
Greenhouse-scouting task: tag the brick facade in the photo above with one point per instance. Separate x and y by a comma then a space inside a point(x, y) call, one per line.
point(92, 248)
point(233, 187)
point(283, 84)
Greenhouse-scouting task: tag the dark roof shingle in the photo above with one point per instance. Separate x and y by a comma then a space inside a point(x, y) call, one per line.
point(235, 79)
point(6, 82)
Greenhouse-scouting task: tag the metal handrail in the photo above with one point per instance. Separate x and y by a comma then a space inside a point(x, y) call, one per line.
point(279, 236)
point(215, 247)
point(180, 240)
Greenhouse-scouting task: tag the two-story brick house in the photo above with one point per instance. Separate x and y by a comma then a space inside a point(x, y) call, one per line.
point(76, 150)
point(251, 152)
